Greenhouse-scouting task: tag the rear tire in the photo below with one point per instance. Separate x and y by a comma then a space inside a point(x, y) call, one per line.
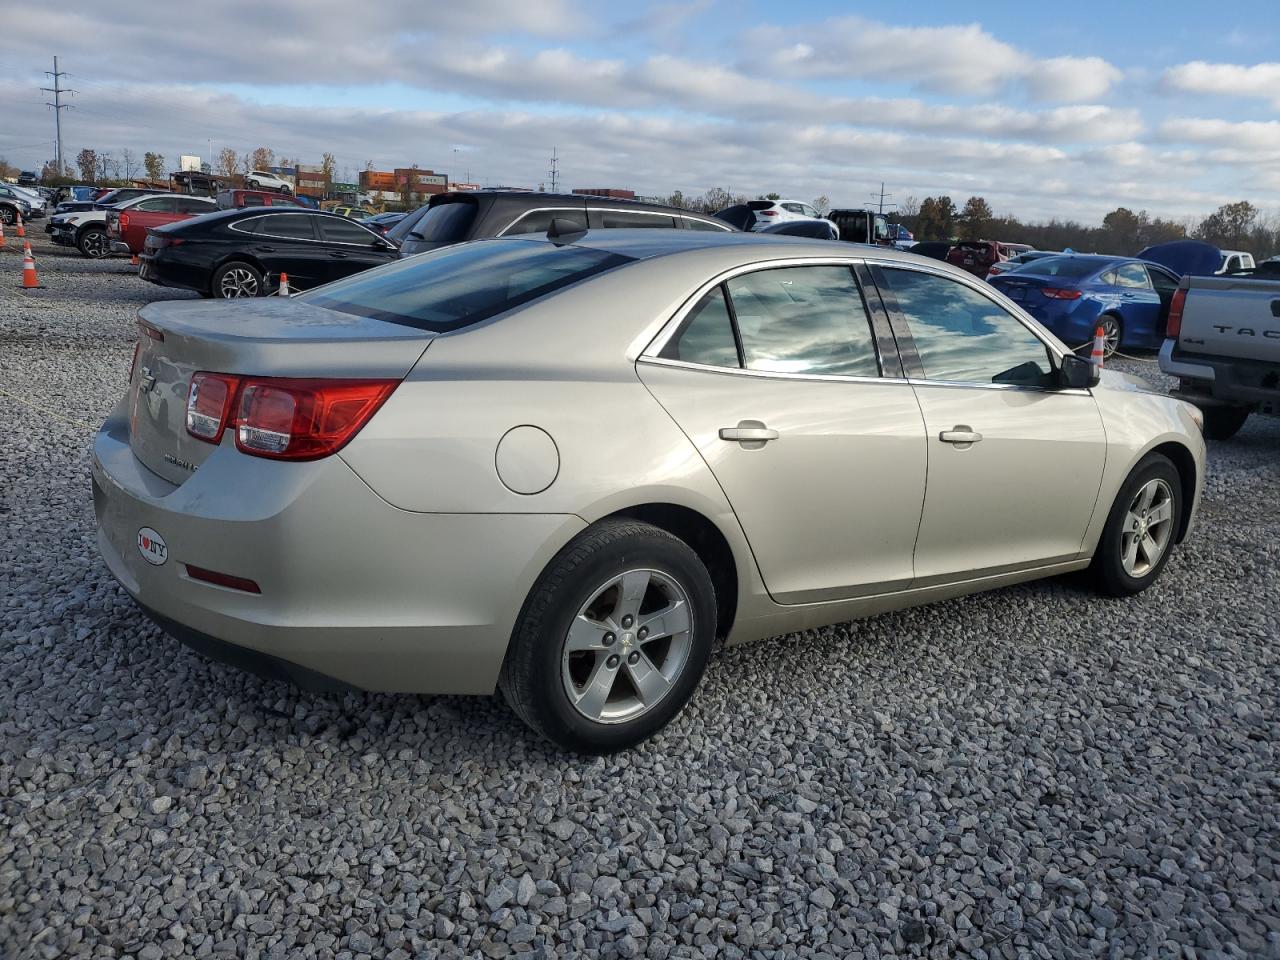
point(9, 216)
point(236, 280)
point(1141, 529)
point(1224, 422)
point(622, 586)
point(1112, 334)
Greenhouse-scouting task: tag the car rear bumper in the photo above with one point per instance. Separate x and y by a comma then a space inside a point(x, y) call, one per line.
point(354, 592)
point(1225, 379)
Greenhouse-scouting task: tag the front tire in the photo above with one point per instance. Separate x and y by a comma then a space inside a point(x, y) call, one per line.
point(1224, 422)
point(613, 638)
point(93, 243)
point(237, 279)
point(1141, 529)
point(9, 216)
point(1112, 333)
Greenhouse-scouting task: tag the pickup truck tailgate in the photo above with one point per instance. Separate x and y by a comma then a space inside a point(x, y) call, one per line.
point(1232, 317)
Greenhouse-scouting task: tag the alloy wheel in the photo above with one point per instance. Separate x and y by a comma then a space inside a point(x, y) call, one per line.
point(627, 646)
point(1148, 528)
point(95, 244)
point(238, 282)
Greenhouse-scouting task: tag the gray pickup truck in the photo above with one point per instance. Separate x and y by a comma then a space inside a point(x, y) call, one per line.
point(1224, 347)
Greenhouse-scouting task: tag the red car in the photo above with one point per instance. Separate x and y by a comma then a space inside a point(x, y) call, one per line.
point(128, 223)
point(978, 256)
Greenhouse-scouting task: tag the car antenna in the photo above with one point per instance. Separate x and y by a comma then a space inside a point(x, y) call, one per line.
point(564, 230)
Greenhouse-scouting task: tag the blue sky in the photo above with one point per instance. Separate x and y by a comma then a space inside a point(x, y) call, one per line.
point(1045, 109)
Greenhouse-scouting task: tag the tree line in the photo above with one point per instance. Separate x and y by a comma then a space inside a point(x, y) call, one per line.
point(1123, 232)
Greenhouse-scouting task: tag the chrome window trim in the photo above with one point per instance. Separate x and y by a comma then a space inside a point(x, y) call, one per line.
point(724, 227)
point(767, 374)
point(646, 213)
point(658, 343)
point(268, 212)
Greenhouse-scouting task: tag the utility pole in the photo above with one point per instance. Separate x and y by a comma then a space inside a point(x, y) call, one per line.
point(58, 106)
point(882, 197)
point(555, 170)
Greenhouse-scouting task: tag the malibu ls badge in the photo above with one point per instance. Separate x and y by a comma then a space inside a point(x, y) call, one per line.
point(152, 547)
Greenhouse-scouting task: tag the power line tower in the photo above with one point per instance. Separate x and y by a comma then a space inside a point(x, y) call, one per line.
point(554, 174)
point(58, 106)
point(881, 197)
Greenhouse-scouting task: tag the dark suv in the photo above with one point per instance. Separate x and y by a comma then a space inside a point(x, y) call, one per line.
point(475, 214)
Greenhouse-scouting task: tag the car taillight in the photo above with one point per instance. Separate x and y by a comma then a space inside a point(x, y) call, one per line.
point(123, 221)
point(1173, 328)
point(282, 419)
point(767, 213)
point(1054, 294)
point(162, 241)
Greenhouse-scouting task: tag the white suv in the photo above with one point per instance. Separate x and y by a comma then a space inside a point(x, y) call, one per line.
point(780, 211)
point(262, 180)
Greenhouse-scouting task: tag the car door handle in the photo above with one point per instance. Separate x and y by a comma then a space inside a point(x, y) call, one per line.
point(265, 249)
point(748, 431)
point(338, 254)
point(961, 433)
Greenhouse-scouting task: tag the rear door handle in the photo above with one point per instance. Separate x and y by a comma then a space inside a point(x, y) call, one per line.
point(264, 249)
point(338, 254)
point(748, 431)
point(960, 434)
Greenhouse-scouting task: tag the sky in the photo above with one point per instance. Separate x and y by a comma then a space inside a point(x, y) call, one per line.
point(1047, 110)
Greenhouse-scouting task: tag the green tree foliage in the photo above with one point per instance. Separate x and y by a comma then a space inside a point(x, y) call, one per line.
point(1229, 225)
point(975, 218)
point(936, 219)
point(154, 164)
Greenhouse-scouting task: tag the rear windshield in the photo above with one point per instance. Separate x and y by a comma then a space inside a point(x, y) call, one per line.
point(459, 286)
point(760, 204)
point(1074, 268)
point(440, 223)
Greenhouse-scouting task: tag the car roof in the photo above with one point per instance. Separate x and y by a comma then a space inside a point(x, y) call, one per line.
point(729, 246)
point(534, 199)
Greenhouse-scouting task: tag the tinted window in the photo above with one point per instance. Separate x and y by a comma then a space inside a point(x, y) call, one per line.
point(793, 207)
point(288, 226)
point(1163, 283)
point(538, 221)
point(456, 287)
point(803, 320)
point(1132, 275)
point(438, 223)
point(632, 219)
point(342, 231)
point(155, 205)
point(706, 336)
point(693, 224)
point(192, 205)
point(961, 335)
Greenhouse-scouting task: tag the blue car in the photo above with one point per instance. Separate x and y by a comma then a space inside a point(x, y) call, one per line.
point(1074, 294)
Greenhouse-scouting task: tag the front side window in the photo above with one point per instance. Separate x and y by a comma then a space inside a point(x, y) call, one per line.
point(342, 231)
point(960, 335)
point(808, 320)
point(706, 335)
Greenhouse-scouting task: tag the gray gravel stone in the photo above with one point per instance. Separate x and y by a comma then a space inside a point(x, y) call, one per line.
point(1031, 772)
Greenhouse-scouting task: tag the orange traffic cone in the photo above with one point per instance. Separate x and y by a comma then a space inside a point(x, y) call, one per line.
point(1099, 347)
point(284, 285)
point(134, 261)
point(1, 234)
point(22, 231)
point(29, 279)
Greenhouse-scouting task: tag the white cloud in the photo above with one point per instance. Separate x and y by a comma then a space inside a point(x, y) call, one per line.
point(1260, 81)
point(1261, 138)
point(963, 59)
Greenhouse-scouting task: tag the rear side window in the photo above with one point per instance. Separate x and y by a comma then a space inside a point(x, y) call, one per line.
point(1132, 275)
point(342, 231)
point(706, 335)
point(155, 205)
point(191, 205)
point(632, 220)
point(804, 320)
point(539, 221)
point(289, 226)
point(459, 286)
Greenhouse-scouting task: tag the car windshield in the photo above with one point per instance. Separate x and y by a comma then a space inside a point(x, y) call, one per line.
point(457, 287)
point(441, 223)
point(1071, 268)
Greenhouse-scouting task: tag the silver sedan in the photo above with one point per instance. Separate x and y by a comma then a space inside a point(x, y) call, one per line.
point(563, 467)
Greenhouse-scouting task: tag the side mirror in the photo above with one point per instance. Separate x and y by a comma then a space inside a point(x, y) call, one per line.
point(1077, 373)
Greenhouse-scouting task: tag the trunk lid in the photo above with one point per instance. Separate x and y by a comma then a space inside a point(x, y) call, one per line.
point(269, 337)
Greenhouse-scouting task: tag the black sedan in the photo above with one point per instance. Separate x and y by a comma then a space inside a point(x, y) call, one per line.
point(242, 252)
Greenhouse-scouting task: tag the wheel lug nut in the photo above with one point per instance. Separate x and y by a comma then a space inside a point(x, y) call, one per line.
point(642, 632)
point(627, 621)
point(634, 658)
point(612, 662)
point(608, 639)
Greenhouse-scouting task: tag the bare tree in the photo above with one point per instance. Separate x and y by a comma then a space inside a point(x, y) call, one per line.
point(263, 158)
point(822, 204)
point(87, 161)
point(909, 207)
point(328, 163)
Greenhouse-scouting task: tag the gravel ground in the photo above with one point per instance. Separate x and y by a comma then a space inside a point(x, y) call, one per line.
point(1031, 772)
